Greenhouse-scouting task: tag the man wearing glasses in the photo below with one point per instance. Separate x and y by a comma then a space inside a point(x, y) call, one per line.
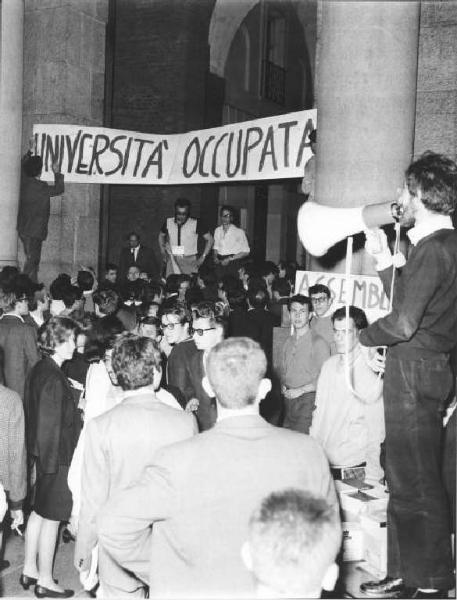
point(175, 321)
point(178, 241)
point(321, 319)
point(207, 331)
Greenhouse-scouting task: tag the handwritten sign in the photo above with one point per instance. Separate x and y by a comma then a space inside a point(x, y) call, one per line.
point(365, 291)
point(274, 147)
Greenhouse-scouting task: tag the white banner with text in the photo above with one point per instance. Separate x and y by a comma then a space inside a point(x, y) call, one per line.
point(274, 147)
point(365, 291)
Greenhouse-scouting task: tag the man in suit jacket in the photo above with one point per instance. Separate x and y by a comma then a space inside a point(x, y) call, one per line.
point(17, 341)
point(200, 493)
point(263, 320)
point(13, 475)
point(138, 255)
point(34, 209)
point(119, 444)
point(208, 331)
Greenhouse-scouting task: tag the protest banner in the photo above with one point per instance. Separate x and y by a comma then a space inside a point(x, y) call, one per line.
point(274, 147)
point(365, 291)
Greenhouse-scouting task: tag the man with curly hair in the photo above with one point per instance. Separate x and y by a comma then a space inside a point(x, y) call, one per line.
point(420, 332)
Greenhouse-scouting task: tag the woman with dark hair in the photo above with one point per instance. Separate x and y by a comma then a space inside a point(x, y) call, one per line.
point(101, 394)
point(53, 427)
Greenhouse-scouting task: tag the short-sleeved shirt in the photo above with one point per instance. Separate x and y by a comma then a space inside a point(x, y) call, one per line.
point(202, 229)
point(183, 238)
point(232, 241)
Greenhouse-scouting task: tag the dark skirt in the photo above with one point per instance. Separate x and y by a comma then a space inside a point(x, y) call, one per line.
point(53, 498)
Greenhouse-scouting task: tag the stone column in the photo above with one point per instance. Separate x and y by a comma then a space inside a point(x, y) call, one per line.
point(366, 100)
point(11, 58)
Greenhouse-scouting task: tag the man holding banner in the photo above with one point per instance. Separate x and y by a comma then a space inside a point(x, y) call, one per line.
point(34, 209)
point(178, 241)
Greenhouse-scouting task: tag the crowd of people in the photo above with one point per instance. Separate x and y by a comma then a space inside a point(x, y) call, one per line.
point(189, 452)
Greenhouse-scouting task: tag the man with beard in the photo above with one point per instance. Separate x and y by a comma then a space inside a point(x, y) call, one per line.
point(420, 332)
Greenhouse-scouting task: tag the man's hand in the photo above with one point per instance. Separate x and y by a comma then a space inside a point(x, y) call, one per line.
point(225, 262)
point(376, 241)
point(192, 405)
point(32, 145)
point(200, 261)
point(375, 360)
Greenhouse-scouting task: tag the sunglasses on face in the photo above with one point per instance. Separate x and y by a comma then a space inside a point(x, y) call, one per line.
point(200, 332)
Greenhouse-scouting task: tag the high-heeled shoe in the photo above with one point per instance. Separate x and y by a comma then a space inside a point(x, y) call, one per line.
point(44, 592)
point(27, 581)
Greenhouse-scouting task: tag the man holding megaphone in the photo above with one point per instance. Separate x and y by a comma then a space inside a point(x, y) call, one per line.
point(420, 332)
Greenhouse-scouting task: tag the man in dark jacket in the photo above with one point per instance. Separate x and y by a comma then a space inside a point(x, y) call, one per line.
point(34, 209)
point(420, 332)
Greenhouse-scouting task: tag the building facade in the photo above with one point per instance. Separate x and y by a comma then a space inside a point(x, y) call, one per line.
point(170, 66)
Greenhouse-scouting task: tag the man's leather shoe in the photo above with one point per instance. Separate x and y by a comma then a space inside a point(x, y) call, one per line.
point(44, 592)
point(385, 588)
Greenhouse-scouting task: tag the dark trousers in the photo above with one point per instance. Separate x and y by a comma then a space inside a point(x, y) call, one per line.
point(32, 250)
point(298, 412)
point(449, 454)
point(418, 528)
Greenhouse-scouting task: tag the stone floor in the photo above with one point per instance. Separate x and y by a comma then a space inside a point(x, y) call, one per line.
point(352, 575)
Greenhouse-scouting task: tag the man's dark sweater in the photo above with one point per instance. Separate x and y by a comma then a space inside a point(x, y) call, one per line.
point(34, 205)
point(423, 321)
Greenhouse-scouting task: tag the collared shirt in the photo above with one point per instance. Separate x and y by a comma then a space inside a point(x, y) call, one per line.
point(302, 358)
point(232, 241)
point(430, 225)
point(323, 326)
point(253, 409)
point(350, 427)
point(12, 314)
point(135, 251)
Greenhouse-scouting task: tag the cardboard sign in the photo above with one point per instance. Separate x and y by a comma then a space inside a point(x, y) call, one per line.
point(274, 147)
point(365, 292)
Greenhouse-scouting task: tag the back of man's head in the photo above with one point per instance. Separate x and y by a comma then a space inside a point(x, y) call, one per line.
point(85, 280)
point(257, 298)
point(293, 540)
point(33, 166)
point(235, 369)
point(136, 361)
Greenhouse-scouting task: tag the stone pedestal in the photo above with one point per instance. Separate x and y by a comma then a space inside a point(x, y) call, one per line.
point(366, 99)
point(11, 56)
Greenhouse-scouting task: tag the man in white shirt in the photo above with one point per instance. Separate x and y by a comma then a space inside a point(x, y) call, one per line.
point(230, 244)
point(349, 426)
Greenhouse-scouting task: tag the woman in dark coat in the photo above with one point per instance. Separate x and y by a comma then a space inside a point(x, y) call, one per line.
point(53, 426)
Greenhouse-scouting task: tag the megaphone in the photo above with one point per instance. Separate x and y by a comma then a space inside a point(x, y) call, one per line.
point(321, 227)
